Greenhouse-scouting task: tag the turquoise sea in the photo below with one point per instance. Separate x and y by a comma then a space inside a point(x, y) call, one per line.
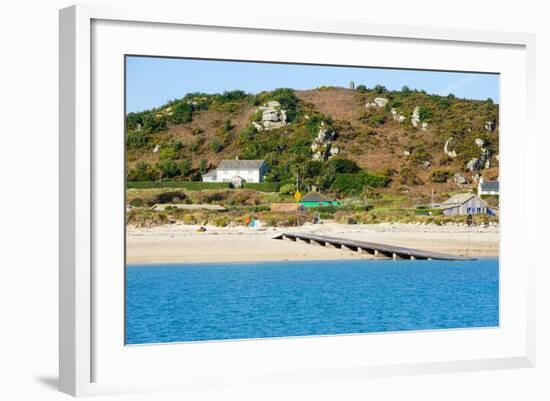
point(193, 302)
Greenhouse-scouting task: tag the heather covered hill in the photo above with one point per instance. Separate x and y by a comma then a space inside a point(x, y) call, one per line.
point(367, 141)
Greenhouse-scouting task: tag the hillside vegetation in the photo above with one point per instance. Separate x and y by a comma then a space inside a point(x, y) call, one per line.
point(364, 143)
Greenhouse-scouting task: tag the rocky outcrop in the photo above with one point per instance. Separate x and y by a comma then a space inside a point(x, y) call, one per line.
point(396, 116)
point(481, 162)
point(415, 117)
point(490, 126)
point(322, 147)
point(424, 126)
point(446, 148)
point(378, 102)
point(273, 117)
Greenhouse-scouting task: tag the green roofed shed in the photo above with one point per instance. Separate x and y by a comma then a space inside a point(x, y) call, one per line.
point(315, 199)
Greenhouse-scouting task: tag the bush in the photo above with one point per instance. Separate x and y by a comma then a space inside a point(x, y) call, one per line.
point(361, 88)
point(353, 184)
point(263, 186)
point(168, 168)
point(169, 151)
point(379, 89)
point(171, 197)
point(231, 96)
point(247, 133)
point(343, 165)
point(287, 189)
point(136, 139)
point(440, 176)
point(142, 171)
point(185, 167)
point(405, 90)
point(288, 100)
point(425, 113)
point(216, 145)
point(181, 113)
point(377, 119)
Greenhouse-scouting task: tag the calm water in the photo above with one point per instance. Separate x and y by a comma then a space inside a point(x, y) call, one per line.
point(167, 303)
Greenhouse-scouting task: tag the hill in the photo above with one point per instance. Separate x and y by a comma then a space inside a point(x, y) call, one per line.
point(362, 142)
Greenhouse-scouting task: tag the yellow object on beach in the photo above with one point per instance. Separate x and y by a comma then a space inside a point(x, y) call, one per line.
point(297, 196)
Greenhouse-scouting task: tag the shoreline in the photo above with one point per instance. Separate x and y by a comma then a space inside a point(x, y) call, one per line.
point(131, 265)
point(182, 244)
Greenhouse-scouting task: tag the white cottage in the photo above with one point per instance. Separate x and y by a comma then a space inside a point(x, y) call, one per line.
point(240, 171)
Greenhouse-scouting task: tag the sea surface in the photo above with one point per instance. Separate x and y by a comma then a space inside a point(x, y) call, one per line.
point(193, 302)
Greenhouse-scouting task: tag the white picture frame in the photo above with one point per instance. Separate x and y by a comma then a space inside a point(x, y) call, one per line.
point(91, 40)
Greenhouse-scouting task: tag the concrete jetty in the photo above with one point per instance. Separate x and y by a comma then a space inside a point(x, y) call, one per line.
point(375, 249)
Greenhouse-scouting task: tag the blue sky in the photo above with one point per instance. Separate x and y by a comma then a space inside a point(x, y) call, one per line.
point(152, 81)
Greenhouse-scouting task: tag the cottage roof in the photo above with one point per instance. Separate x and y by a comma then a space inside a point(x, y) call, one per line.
point(286, 207)
point(459, 199)
point(490, 186)
point(240, 164)
point(314, 197)
point(211, 173)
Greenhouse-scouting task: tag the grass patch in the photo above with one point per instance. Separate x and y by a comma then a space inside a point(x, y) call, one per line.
point(189, 185)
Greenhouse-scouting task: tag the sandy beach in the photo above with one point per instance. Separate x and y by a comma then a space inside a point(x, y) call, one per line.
point(179, 243)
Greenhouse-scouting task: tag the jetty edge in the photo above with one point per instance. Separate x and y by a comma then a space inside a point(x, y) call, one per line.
point(376, 249)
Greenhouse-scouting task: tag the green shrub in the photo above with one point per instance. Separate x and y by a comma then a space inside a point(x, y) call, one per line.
point(425, 113)
point(406, 91)
point(168, 168)
point(440, 175)
point(136, 139)
point(379, 89)
point(216, 145)
point(182, 113)
point(171, 197)
point(343, 165)
point(185, 167)
point(263, 186)
point(287, 189)
point(168, 152)
point(353, 184)
point(142, 171)
point(288, 100)
point(377, 119)
point(189, 185)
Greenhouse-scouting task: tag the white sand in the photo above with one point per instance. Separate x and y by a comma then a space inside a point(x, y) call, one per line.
point(183, 244)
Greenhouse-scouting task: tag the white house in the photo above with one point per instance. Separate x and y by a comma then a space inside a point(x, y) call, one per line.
point(237, 172)
point(487, 187)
